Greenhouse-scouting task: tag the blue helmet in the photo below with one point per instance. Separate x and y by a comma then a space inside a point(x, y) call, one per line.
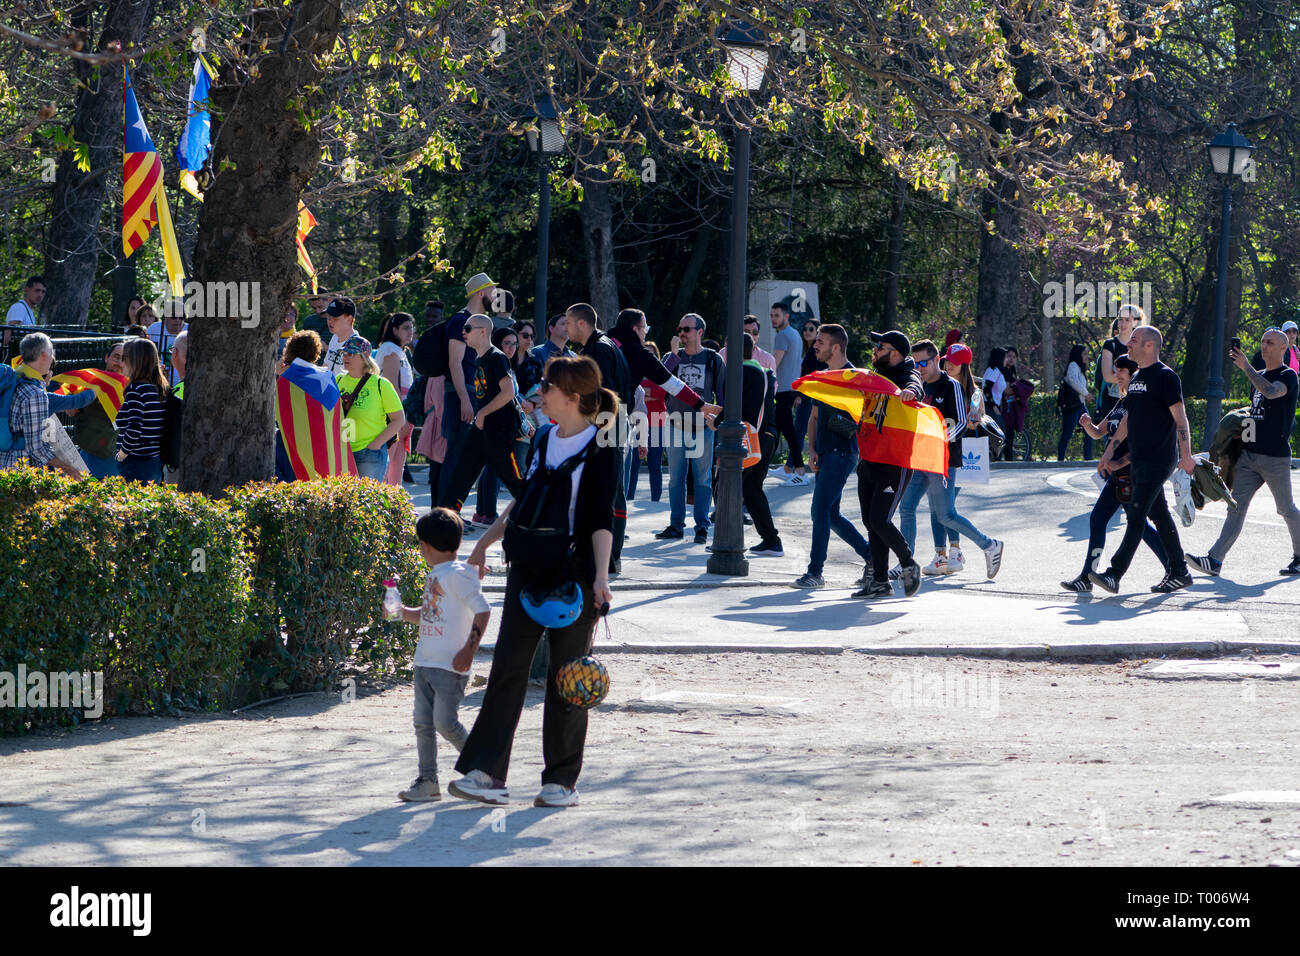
point(554, 607)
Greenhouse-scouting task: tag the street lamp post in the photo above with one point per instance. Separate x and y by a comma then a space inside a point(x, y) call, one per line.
point(1229, 156)
point(545, 139)
point(747, 57)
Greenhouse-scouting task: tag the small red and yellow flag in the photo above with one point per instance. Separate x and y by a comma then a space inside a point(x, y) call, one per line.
point(108, 387)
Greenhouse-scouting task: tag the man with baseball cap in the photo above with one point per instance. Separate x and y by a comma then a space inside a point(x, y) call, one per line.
point(341, 314)
point(880, 486)
point(458, 406)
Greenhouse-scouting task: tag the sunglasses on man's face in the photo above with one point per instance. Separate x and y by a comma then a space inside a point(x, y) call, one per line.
point(682, 330)
point(923, 363)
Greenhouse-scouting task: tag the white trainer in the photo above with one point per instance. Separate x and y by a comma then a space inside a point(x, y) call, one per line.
point(938, 566)
point(477, 785)
point(554, 795)
point(955, 561)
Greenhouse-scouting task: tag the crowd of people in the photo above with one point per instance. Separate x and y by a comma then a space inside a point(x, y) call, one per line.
point(566, 423)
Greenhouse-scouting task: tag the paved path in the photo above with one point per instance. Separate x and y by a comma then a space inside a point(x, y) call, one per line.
point(666, 598)
point(725, 759)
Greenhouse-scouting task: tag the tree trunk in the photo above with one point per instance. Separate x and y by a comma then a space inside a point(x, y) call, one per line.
point(597, 215)
point(1196, 366)
point(246, 235)
point(895, 264)
point(73, 245)
point(997, 304)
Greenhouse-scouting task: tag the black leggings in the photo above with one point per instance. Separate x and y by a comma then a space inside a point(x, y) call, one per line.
point(751, 484)
point(564, 727)
point(785, 425)
point(880, 488)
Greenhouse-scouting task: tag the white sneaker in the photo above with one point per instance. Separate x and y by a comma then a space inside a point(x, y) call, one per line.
point(477, 785)
point(938, 566)
point(992, 559)
point(955, 562)
point(554, 795)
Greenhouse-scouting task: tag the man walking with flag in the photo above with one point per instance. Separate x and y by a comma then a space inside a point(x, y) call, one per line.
point(881, 485)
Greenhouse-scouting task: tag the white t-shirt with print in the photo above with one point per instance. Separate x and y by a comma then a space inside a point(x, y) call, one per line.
point(334, 355)
point(452, 596)
point(404, 375)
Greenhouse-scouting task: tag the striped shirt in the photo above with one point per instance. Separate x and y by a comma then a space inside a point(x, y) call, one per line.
point(140, 421)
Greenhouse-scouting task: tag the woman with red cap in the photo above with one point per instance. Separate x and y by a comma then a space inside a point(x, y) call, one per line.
point(957, 359)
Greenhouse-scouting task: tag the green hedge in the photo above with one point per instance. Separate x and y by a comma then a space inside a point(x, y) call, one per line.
point(183, 601)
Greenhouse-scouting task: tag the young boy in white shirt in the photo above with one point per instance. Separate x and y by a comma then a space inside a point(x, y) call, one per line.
point(452, 617)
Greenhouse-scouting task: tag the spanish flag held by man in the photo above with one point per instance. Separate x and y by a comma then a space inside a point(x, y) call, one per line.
point(144, 204)
point(309, 411)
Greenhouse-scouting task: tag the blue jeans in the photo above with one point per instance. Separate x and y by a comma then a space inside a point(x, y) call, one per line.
point(1105, 508)
point(701, 471)
point(488, 486)
point(943, 510)
point(1069, 422)
point(833, 471)
point(100, 468)
point(438, 694)
point(654, 463)
point(371, 464)
point(145, 470)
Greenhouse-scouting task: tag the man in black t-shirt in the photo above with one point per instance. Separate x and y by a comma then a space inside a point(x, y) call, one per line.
point(458, 403)
point(1155, 424)
point(1266, 451)
point(495, 425)
point(881, 486)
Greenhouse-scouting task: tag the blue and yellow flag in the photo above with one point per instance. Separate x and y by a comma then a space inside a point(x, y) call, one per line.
point(196, 139)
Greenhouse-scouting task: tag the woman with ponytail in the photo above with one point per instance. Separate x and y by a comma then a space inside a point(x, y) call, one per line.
point(559, 530)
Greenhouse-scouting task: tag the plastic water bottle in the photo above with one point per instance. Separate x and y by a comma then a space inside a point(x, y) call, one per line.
point(392, 600)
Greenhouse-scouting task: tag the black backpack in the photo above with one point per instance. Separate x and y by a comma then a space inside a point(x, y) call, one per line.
point(537, 539)
point(431, 355)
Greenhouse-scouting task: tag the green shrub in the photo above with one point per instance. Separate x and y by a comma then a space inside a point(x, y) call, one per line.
point(106, 577)
point(320, 551)
point(184, 601)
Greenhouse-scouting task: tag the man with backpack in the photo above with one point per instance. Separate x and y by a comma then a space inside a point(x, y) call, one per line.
point(25, 407)
point(704, 374)
point(584, 331)
point(441, 351)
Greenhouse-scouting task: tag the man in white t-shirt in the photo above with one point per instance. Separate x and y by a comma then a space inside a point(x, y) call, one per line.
point(23, 312)
point(163, 333)
point(342, 316)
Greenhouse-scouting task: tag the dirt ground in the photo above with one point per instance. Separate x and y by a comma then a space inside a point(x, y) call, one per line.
point(742, 758)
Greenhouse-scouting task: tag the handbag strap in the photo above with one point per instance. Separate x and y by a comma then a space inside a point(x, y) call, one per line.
point(351, 397)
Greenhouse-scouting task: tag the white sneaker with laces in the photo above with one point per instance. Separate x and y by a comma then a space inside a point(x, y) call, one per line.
point(554, 795)
point(477, 785)
point(938, 566)
point(955, 562)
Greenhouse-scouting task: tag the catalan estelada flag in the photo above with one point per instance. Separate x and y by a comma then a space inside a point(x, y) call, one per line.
point(144, 204)
point(891, 430)
point(309, 411)
point(108, 386)
point(196, 140)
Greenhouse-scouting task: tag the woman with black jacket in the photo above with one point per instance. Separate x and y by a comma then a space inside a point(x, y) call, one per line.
point(572, 481)
point(641, 362)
